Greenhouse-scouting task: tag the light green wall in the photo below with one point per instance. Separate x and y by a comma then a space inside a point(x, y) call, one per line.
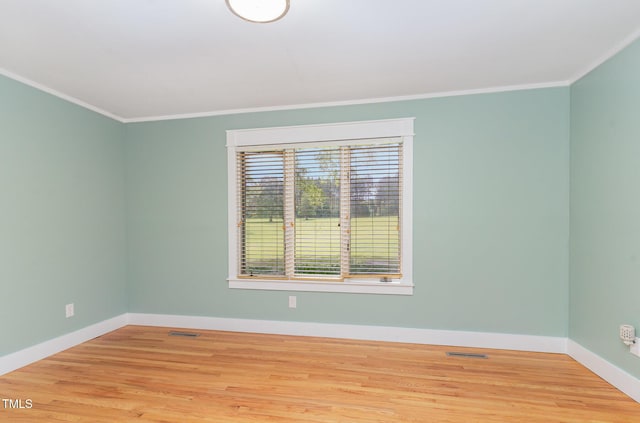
point(61, 216)
point(491, 209)
point(605, 207)
point(490, 217)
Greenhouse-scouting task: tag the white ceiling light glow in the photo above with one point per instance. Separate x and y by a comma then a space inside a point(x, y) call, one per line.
point(259, 11)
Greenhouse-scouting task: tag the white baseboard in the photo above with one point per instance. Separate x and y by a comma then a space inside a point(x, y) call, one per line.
point(609, 372)
point(371, 333)
point(617, 377)
point(14, 361)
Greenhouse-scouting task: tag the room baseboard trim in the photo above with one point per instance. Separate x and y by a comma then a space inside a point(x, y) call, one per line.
point(617, 377)
point(18, 359)
point(370, 333)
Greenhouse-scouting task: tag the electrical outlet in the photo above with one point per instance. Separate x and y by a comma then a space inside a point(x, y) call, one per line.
point(293, 303)
point(68, 310)
point(635, 348)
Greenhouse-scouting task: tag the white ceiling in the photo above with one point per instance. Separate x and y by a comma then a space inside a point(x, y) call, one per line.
point(145, 59)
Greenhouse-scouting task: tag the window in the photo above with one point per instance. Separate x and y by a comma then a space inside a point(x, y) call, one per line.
point(321, 207)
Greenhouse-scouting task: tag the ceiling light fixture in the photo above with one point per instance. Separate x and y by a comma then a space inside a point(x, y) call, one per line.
point(259, 11)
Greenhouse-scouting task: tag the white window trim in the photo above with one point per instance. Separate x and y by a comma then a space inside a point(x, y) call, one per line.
point(322, 133)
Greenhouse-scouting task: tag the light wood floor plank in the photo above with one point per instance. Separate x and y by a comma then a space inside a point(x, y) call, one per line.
point(140, 374)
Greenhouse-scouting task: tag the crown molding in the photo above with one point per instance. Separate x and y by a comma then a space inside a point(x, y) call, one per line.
point(441, 94)
point(617, 48)
point(59, 94)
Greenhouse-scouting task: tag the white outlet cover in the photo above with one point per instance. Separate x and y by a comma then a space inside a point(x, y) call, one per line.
point(293, 301)
point(68, 309)
point(635, 348)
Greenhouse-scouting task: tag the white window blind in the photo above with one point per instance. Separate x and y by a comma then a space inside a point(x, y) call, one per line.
point(375, 187)
point(261, 208)
point(317, 212)
point(323, 212)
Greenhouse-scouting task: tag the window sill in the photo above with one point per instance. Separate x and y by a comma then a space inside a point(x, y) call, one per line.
point(390, 288)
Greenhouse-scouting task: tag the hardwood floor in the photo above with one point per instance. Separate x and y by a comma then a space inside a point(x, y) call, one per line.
point(141, 374)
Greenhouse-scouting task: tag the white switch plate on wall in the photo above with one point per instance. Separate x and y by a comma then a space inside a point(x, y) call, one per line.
point(68, 310)
point(293, 303)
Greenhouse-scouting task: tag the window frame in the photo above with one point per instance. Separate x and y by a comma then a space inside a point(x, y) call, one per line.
point(310, 135)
